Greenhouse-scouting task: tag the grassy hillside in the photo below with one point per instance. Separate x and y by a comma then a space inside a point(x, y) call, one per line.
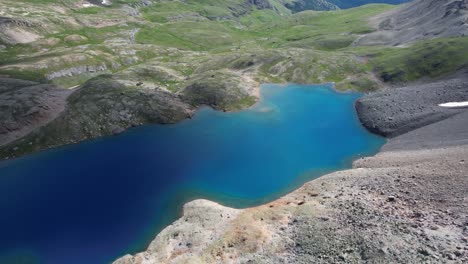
point(430, 58)
point(188, 37)
point(162, 61)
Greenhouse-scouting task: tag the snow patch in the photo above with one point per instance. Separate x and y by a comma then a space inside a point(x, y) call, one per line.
point(103, 2)
point(455, 104)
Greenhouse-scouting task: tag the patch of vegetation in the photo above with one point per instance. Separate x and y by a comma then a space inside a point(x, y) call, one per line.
point(13, 53)
point(24, 74)
point(205, 35)
point(92, 10)
point(193, 37)
point(92, 35)
point(430, 58)
point(321, 30)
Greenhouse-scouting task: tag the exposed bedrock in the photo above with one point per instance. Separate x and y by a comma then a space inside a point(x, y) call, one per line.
point(395, 111)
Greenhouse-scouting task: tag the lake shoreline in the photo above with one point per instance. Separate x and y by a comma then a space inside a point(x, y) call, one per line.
point(367, 201)
point(302, 131)
point(391, 192)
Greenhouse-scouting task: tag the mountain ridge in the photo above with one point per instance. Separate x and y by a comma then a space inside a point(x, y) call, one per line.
point(418, 20)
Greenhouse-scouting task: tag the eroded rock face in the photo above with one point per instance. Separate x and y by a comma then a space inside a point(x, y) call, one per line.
point(420, 19)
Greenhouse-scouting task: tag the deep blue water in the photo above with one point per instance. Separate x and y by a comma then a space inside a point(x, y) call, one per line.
point(94, 201)
point(354, 3)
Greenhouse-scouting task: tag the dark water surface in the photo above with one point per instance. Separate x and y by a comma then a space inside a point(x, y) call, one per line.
point(94, 201)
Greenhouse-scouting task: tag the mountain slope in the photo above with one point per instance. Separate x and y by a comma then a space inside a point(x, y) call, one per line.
point(421, 19)
point(181, 53)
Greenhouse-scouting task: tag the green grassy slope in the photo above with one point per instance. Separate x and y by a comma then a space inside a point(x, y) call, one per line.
point(431, 58)
point(271, 41)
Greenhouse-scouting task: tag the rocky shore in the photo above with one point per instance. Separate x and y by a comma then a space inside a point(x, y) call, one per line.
point(395, 111)
point(407, 204)
point(46, 116)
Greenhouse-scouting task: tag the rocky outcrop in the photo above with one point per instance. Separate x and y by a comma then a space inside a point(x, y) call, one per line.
point(82, 69)
point(110, 104)
point(197, 231)
point(14, 31)
point(25, 106)
point(102, 107)
point(395, 111)
point(223, 90)
point(301, 5)
point(260, 4)
point(420, 19)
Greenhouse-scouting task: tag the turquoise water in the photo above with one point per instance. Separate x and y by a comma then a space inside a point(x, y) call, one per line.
point(94, 201)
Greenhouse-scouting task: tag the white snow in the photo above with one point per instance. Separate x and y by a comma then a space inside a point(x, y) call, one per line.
point(455, 104)
point(103, 2)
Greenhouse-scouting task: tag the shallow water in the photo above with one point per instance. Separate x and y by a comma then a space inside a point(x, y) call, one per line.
point(95, 201)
